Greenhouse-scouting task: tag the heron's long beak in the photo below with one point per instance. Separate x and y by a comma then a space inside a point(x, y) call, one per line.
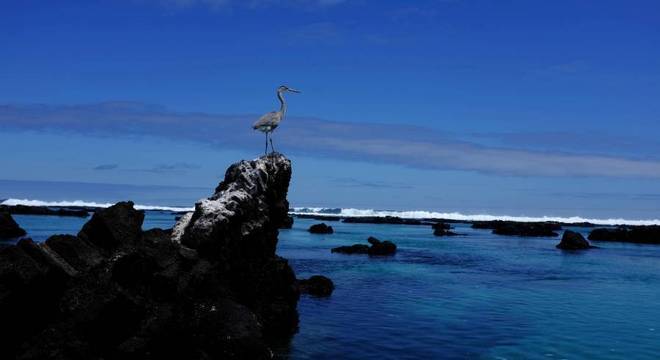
point(295, 91)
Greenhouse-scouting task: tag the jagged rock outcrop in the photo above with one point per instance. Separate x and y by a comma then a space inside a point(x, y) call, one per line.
point(117, 292)
point(321, 228)
point(317, 285)
point(9, 229)
point(377, 248)
point(572, 240)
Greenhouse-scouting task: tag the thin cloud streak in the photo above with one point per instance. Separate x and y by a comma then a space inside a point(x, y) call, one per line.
point(394, 144)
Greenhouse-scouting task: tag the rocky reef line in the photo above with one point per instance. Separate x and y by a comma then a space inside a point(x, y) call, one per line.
point(211, 288)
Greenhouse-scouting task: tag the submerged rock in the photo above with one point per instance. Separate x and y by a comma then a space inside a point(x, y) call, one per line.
point(9, 229)
point(632, 234)
point(377, 248)
point(572, 240)
point(316, 285)
point(114, 291)
point(321, 228)
point(442, 229)
point(352, 249)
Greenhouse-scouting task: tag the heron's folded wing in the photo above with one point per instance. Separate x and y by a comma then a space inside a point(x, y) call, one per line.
point(267, 120)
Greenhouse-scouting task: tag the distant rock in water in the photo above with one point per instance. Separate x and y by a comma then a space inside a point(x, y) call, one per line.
point(43, 210)
point(514, 228)
point(572, 240)
point(117, 292)
point(287, 223)
point(383, 220)
point(442, 229)
point(377, 248)
point(352, 249)
point(9, 229)
point(319, 217)
point(631, 234)
point(381, 247)
point(316, 285)
point(321, 228)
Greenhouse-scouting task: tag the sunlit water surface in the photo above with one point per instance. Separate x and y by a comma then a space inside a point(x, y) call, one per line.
point(478, 296)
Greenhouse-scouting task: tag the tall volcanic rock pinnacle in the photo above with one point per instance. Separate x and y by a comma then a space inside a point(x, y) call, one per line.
point(238, 228)
point(114, 291)
point(244, 213)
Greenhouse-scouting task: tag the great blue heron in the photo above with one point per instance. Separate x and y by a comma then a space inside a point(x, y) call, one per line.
point(271, 120)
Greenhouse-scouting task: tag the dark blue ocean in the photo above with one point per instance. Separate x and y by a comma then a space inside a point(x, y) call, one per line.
point(480, 296)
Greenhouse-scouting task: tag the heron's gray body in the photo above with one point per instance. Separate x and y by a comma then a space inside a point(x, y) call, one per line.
point(270, 121)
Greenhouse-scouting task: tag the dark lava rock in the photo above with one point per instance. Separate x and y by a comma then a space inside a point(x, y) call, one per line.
point(381, 247)
point(117, 225)
point(78, 253)
point(383, 220)
point(377, 248)
point(9, 229)
point(352, 249)
point(514, 228)
point(632, 234)
point(321, 228)
point(442, 229)
point(316, 285)
point(573, 241)
point(43, 210)
point(218, 291)
point(287, 223)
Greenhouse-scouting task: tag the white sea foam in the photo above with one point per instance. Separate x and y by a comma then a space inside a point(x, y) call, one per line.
point(81, 203)
point(350, 212)
point(421, 214)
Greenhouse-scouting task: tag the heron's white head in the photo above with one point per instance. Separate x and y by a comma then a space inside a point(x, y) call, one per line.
point(283, 89)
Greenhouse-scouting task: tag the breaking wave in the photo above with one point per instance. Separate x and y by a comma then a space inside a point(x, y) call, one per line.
point(422, 214)
point(351, 212)
point(91, 204)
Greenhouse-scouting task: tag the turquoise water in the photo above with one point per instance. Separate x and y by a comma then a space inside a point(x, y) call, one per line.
point(479, 297)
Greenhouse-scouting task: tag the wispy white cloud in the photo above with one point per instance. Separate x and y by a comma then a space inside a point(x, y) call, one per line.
point(394, 144)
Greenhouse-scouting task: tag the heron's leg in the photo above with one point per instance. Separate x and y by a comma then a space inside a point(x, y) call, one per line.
point(266, 151)
point(271, 143)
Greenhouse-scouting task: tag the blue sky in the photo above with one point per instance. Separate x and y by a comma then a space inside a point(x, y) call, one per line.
point(507, 107)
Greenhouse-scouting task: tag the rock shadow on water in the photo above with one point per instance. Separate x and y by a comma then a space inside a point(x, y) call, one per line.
point(463, 260)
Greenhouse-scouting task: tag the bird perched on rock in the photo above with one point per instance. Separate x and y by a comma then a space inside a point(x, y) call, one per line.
point(271, 120)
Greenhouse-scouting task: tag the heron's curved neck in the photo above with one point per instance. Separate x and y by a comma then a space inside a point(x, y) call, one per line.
point(280, 96)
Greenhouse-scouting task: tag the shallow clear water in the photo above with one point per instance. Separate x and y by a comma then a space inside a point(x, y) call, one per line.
point(480, 296)
point(39, 228)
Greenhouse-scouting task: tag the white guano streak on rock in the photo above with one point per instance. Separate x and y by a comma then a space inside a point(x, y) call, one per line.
point(180, 227)
point(223, 207)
